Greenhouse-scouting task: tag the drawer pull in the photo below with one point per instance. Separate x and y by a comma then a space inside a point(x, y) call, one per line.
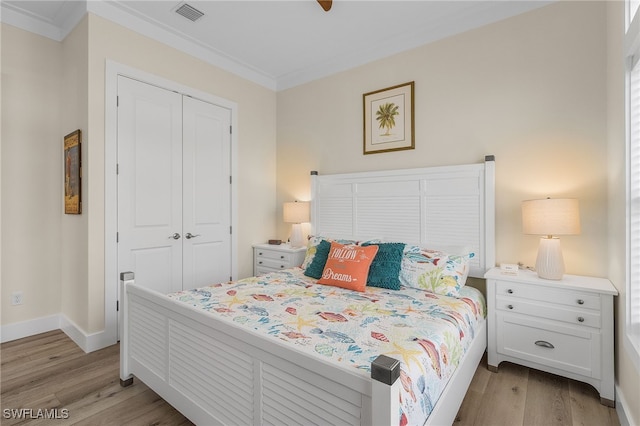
point(580, 302)
point(281, 257)
point(259, 253)
point(544, 344)
point(580, 319)
point(510, 291)
point(509, 306)
point(281, 266)
point(260, 262)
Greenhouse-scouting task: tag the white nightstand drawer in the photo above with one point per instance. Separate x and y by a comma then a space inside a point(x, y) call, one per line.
point(557, 347)
point(559, 296)
point(273, 255)
point(582, 317)
point(271, 263)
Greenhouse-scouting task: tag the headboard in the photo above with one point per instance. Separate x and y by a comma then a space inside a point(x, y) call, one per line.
point(445, 208)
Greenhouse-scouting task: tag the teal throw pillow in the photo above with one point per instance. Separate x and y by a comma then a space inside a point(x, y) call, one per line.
point(385, 269)
point(315, 268)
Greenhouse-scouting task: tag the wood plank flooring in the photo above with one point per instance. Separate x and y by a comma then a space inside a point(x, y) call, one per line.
point(49, 372)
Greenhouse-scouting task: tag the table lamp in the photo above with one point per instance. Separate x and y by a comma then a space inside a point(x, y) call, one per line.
point(550, 217)
point(296, 213)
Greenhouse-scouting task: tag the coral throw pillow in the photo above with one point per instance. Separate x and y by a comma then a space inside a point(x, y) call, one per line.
point(348, 266)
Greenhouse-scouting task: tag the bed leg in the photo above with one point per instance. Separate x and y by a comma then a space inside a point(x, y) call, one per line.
point(126, 378)
point(385, 390)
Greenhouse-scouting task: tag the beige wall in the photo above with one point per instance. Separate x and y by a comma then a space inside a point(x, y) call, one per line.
point(74, 245)
point(532, 90)
point(31, 174)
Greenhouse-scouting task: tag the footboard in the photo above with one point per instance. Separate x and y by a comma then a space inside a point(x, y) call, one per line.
point(215, 373)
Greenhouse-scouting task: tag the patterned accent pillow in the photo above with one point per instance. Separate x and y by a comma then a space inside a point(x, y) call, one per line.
point(385, 269)
point(348, 266)
point(312, 246)
point(434, 271)
point(318, 259)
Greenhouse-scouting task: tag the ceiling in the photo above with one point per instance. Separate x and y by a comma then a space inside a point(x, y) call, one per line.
point(277, 44)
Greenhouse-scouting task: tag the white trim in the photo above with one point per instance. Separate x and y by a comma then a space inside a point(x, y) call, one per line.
point(86, 342)
point(19, 330)
point(73, 11)
point(112, 71)
point(119, 13)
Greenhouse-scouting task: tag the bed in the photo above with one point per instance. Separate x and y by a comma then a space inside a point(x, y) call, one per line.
point(222, 359)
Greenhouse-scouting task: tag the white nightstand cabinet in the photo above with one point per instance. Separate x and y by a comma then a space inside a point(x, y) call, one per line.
point(271, 257)
point(564, 327)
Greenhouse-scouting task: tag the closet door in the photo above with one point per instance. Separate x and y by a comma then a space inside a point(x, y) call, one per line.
point(206, 193)
point(150, 184)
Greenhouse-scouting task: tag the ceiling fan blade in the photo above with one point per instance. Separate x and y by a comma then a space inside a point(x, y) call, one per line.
point(326, 4)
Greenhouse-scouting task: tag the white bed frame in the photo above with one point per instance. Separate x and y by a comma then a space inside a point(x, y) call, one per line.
point(216, 373)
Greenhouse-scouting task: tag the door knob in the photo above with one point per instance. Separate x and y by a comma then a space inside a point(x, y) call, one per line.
point(189, 235)
point(175, 236)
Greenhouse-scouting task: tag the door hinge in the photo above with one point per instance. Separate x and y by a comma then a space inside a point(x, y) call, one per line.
point(117, 237)
point(230, 180)
point(117, 168)
point(117, 101)
point(117, 306)
point(230, 278)
point(230, 130)
point(231, 229)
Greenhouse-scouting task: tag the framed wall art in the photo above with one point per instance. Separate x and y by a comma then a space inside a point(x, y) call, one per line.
point(388, 119)
point(72, 173)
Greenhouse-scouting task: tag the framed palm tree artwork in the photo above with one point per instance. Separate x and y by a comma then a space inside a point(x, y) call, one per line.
point(72, 173)
point(388, 119)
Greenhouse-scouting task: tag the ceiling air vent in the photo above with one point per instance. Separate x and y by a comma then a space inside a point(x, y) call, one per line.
point(189, 12)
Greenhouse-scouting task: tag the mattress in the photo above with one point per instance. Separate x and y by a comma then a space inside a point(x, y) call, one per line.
point(426, 332)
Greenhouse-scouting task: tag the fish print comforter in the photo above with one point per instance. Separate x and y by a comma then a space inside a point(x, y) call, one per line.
point(426, 332)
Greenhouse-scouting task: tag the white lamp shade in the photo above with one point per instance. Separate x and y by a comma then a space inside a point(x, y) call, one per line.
point(296, 212)
point(559, 216)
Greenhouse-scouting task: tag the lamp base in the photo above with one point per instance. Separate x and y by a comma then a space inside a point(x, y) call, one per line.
point(297, 237)
point(550, 263)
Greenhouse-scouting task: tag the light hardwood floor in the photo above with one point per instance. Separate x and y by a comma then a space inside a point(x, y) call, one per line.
point(49, 371)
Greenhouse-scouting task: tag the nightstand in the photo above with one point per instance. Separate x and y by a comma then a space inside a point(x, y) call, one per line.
point(563, 327)
point(271, 257)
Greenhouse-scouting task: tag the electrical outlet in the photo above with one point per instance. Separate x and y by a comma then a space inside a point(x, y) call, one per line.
point(16, 298)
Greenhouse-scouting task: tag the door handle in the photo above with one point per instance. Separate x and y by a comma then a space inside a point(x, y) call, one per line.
point(175, 236)
point(189, 235)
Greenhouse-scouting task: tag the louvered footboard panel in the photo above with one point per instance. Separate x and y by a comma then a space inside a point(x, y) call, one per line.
point(148, 338)
point(212, 374)
point(298, 397)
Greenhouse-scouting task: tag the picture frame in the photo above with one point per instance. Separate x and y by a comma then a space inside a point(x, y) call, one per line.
point(73, 172)
point(389, 119)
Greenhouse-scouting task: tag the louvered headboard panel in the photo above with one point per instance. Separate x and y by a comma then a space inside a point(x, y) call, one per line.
point(446, 207)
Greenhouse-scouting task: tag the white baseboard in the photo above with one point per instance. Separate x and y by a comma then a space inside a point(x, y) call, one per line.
point(19, 330)
point(86, 342)
point(623, 415)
